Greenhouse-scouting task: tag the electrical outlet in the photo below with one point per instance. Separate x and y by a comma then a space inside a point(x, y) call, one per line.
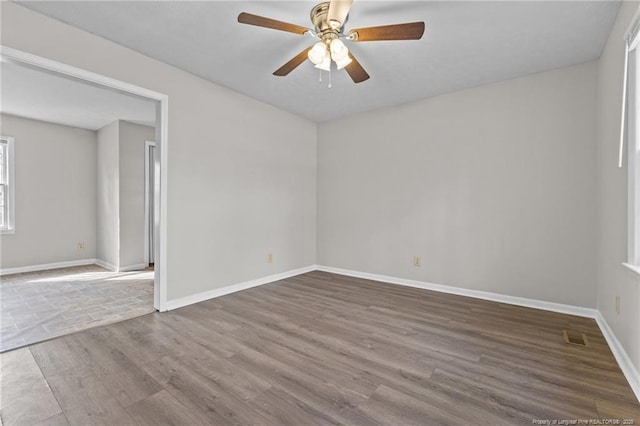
point(416, 261)
point(81, 246)
point(618, 305)
point(270, 258)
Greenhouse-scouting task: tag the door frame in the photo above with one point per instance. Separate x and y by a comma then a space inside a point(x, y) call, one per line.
point(156, 194)
point(15, 56)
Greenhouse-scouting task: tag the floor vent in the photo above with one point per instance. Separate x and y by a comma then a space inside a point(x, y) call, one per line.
point(573, 337)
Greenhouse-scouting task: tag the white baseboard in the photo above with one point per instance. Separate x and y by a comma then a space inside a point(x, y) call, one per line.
point(106, 265)
point(477, 294)
point(46, 266)
point(628, 368)
point(126, 268)
point(210, 294)
point(134, 267)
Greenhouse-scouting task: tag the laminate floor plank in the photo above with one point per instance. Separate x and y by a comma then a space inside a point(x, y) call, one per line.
point(559, 379)
point(163, 409)
point(201, 336)
point(392, 407)
point(312, 366)
point(534, 400)
point(286, 409)
point(78, 387)
point(99, 412)
point(354, 367)
point(320, 349)
point(58, 355)
point(59, 419)
point(516, 407)
point(199, 392)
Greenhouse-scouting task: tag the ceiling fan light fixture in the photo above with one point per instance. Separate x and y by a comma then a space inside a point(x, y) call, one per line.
point(328, 19)
point(338, 50)
point(325, 65)
point(318, 53)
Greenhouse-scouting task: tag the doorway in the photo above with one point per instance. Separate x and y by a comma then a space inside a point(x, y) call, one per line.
point(150, 198)
point(157, 236)
point(28, 60)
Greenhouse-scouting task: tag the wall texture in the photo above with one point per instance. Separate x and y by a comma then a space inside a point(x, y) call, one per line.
point(493, 188)
point(55, 193)
point(131, 164)
point(614, 279)
point(241, 174)
point(108, 195)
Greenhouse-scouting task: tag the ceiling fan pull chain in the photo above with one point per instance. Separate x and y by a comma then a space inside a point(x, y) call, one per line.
point(319, 76)
point(329, 86)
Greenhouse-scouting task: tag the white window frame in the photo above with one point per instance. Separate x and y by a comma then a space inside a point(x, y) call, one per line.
point(631, 96)
point(10, 227)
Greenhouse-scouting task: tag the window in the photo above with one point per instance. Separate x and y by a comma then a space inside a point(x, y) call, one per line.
point(630, 131)
point(6, 186)
point(633, 159)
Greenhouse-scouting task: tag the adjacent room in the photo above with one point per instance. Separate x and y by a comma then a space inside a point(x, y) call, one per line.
point(341, 212)
point(75, 204)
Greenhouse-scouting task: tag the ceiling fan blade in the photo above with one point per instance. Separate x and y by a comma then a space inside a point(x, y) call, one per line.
point(292, 64)
point(410, 31)
point(355, 70)
point(338, 11)
point(261, 21)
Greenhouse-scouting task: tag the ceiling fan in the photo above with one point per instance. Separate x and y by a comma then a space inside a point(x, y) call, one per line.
point(328, 19)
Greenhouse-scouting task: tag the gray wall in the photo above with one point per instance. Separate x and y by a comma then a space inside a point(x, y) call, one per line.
point(493, 187)
point(241, 174)
point(614, 279)
point(132, 138)
point(108, 195)
point(55, 193)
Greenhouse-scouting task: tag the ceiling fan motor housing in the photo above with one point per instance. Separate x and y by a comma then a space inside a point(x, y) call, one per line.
point(319, 19)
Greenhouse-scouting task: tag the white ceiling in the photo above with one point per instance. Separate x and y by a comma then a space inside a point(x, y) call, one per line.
point(466, 44)
point(46, 97)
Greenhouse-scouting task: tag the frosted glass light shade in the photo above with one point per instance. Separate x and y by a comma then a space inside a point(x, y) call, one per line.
point(318, 53)
point(325, 65)
point(338, 50)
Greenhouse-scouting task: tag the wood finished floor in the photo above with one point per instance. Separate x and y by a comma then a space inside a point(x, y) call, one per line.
point(321, 349)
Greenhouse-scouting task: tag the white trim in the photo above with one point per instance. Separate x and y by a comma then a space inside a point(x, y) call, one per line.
point(633, 25)
point(485, 295)
point(11, 55)
point(628, 369)
point(632, 135)
point(160, 254)
point(106, 265)
point(11, 187)
point(632, 268)
point(623, 114)
point(29, 60)
point(147, 144)
point(46, 266)
point(134, 267)
point(217, 292)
